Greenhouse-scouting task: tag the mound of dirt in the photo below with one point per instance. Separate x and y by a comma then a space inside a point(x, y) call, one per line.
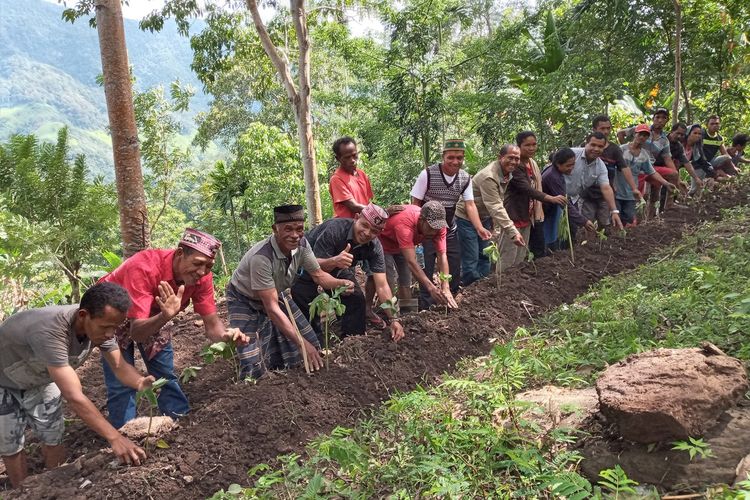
point(233, 427)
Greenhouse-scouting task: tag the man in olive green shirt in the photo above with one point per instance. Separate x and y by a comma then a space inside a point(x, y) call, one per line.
point(489, 185)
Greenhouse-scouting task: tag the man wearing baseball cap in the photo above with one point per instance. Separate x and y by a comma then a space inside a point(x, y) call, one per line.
point(447, 183)
point(339, 244)
point(402, 233)
point(637, 158)
point(657, 147)
point(161, 283)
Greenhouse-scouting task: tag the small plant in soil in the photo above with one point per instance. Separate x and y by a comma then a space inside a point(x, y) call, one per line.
point(530, 258)
point(150, 395)
point(391, 306)
point(694, 447)
point(640, 210)
point(189, 373)
point(617, 482)
point(492, 252)
point(328, 307)
point(563, 232)
point(445, 278)
point(222, 350)
point(602, 237)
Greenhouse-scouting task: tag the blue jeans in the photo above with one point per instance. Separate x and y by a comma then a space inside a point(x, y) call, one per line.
point(627, 210)
point(121, 398)
point(474, 264)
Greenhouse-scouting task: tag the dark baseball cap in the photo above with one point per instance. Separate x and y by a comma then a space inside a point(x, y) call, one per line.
point(661, 111)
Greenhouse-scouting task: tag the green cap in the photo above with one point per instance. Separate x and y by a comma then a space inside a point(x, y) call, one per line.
point(454, 144)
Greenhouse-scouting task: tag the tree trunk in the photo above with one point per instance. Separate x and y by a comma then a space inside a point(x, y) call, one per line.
point(677, 60)
point(131, 197)
point(300, 100)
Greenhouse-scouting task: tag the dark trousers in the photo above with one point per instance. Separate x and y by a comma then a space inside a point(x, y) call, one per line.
point(536, 240)
point(353, 322)
point(454, 265)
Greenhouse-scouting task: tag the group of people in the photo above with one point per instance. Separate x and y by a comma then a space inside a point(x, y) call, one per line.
point(366, 252)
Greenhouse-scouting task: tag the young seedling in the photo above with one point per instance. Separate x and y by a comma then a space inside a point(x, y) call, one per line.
point(563, 232)
point(602, 236)
point(492, 252)
point(530, 258)
point(444, 278)
point(150, 395)
point(391, 306)
point(189, 373)
point(328, 307)
point(222, 350)
point(641, 209)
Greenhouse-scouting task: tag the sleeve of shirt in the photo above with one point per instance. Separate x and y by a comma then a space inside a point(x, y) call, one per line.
point(619, 159)
point(440, 241)
point(522, 184)
point(377, 259)
point(420, 186)
point(261, 273)
point(602, 177)
point(575, 215)
point(308, 261)
point(666, 151)
point(648, 167)
point(50, 347)
point(493, 201)
point(203, 298)
point(339, 190)
point(468, 194)
point(109, 346)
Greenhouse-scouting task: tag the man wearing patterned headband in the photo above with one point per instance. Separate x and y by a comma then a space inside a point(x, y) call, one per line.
point(161, 283)
point(259, 302)
point(447, 183)
point(338, 244)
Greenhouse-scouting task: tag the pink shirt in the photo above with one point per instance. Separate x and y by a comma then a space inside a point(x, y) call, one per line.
point(401, 232)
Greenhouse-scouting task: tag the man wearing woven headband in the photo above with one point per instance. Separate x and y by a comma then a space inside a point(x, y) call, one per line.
point(261, 306)
point(161, 283)
point(339, 244)
point(447, 183)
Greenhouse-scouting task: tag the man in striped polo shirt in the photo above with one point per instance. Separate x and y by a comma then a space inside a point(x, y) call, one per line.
point(446, 182)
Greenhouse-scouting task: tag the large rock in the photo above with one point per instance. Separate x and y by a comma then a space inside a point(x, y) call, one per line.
point(670, 394)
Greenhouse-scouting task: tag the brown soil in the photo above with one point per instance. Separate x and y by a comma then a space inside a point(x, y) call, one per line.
point(233, 427)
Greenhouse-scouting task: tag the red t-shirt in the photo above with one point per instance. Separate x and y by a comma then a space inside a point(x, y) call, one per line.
point(140, 276)
point(345, 186)
point(401, 232)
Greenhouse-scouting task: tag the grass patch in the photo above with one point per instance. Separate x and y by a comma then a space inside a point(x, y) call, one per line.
point(469, 437)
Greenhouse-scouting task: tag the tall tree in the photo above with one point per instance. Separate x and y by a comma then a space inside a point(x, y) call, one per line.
point(677, 60)
point(299, 96)
point(118, 91)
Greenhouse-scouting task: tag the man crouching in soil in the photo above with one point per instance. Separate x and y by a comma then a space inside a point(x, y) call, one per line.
point(39, 352)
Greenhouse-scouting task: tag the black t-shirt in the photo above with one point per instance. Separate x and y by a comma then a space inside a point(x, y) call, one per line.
point(678, 155)
point(711, 145)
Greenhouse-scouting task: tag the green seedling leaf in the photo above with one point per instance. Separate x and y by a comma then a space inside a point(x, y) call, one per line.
point(162, 445)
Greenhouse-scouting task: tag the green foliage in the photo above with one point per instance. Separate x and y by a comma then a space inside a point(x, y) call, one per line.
point(189, 373)
point(391, 305)
point(617, 482)
point(563, 232)
point(151, 395)
point(694, 446)
point(328, 307)
point(222, 350)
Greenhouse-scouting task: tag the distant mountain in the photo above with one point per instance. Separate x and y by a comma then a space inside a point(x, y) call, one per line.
point(48, 70)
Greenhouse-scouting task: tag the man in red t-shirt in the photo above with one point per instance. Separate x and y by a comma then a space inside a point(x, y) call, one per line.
point(161, 283)
point(349, 186)
point(403, 232)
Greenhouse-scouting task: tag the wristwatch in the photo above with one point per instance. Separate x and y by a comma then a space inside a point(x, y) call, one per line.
point(614, 211)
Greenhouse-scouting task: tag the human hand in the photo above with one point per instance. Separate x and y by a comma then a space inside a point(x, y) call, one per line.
point(345, 258)
point(638, 195)
point(397, 331)
point(235, 335)
point(590, 226)
point(127, 451)
point(313, 356)
point(169, 302)
point(560, 199)
point(616, 222)
point(670, 187)
point(451, 302)
point(145, 382)
point(518, 240)
point(438, 295)
point(349, 286)
point(485, 234)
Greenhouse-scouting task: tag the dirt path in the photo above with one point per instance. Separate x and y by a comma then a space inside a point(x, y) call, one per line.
point(233, 427)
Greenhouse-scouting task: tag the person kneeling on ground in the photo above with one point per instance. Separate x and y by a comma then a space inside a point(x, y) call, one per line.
point(403, 232)
point(260, 305)
point(39, 352)
point(339, 244)
point(162, 283)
